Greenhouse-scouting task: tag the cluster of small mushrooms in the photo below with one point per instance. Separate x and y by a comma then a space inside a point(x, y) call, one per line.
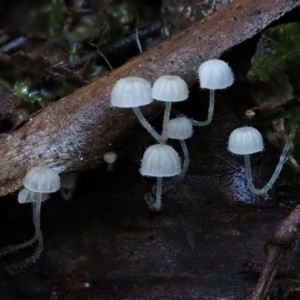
point(159, 160)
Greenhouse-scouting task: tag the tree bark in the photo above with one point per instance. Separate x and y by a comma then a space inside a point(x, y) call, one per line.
point(73, 134)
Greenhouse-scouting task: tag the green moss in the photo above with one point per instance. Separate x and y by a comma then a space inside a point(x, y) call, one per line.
point(27, 94)
point(56, 18)
point(123, 14)
point(277, 51)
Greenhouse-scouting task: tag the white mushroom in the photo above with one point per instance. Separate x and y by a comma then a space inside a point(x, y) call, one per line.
point(132, 92)
point(42, 180)
point(38, 182)
point(180, 128)
point(110, 158)
point(169, 89)
point(245, 141)
point(248, 140)
point(160, 161)
point(214, 74)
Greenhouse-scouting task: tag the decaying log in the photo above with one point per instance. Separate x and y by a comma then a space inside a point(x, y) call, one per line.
point(282, 241)
point(74, 133)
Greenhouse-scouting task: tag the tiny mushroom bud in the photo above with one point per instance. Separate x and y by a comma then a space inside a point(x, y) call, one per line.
point(67, 184)
point(110, 158)
point(160, 161)
point(250, 113)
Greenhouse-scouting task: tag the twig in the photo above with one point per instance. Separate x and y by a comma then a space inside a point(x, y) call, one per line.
point(282, 240)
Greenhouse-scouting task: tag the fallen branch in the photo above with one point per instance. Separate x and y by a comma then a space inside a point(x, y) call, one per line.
point(282, 241)
point(74, 133)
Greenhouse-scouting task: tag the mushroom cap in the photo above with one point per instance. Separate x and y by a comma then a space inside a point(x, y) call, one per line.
point(42, 180)
point(160, 161)
point(215, 74)
point(68, 180)
point(245, 140)
point(110, 157)
point(26, 196)
point(131, 92)
point(170, 89)
point(180, 128)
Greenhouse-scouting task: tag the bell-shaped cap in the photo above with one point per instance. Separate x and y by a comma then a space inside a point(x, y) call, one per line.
point(27, 196)
point(245, 140)
point(180, 128)
point(68, 180)
point(215, 74)
point(42, 180)
point(170, 88)
point(131, 92)
point(160, 161)
point(110, 157)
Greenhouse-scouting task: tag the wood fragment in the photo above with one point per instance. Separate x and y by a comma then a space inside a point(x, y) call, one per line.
point(281, 242)
point(73, 134)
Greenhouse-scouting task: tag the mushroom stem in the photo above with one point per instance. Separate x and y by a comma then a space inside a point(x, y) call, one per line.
point(11, 249)
point(184, 167)
point(210, 110)
point(36, 208)
point(145, 123)
point(30, 260)
point(157, 204)
point(138, 40)
point(164, 135)
point(109, 167)
point(282, 160)
point(186, 159)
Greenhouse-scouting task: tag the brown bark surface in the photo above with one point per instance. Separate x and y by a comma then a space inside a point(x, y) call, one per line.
point(73, 133)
